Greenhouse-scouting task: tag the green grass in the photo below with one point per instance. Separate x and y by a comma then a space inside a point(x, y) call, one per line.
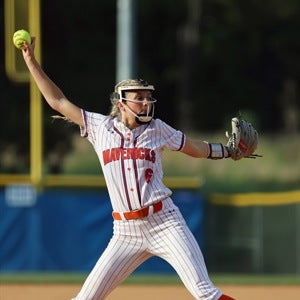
point(78, 278)
point(277, 170)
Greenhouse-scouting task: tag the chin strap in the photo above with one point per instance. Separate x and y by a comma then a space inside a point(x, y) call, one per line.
point(142, 118)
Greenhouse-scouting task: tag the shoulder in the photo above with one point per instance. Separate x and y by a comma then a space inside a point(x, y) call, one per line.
point(93, 117)
point(161, 125)
point(93, 122)
point(157, 123)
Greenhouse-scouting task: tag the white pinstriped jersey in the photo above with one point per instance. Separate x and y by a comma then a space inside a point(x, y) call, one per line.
point(131, 160)
point(132, 165)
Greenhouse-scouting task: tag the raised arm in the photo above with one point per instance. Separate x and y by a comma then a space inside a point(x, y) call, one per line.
point(51, 92)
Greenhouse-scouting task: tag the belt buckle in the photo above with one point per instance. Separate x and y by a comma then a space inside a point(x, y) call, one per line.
point(140, 213)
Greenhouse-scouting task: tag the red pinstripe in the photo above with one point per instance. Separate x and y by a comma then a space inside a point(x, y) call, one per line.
point(164, 234)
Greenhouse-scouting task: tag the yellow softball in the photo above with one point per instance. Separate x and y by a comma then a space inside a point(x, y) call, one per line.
point(21, 36)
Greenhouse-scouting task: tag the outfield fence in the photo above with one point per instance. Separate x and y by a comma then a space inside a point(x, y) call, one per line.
point(254, 232)
point(65, 229)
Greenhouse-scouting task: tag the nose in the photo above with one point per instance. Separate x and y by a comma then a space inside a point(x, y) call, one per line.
point(145, 102)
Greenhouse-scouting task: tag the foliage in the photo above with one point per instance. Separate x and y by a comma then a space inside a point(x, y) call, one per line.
point(208, 59)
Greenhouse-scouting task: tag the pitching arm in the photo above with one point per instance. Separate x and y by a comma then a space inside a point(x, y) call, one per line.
point(51, 92)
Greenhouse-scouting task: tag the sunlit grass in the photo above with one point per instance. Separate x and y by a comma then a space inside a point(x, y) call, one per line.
point(278, 169)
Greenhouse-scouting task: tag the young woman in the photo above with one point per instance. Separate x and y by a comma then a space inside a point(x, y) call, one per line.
point(129, 144)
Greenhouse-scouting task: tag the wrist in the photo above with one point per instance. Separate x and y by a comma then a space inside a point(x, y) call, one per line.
point(218, 151)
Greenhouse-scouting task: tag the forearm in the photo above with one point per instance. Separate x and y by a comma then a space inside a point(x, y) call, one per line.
point(51, 92)
point(196, 148)
point(202, 149)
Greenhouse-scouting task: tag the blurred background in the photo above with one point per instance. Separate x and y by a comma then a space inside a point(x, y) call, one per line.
point(209, 61)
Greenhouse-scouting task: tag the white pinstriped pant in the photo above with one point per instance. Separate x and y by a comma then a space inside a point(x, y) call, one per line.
point(164, 234)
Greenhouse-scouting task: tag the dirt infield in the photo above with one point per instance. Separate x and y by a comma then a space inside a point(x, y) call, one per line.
point(145, 292)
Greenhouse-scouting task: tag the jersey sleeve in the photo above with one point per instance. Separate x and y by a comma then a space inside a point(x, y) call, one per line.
point(171, 138)
point(92, 123)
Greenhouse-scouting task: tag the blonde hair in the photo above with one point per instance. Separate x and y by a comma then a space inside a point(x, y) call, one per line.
point(115, 111)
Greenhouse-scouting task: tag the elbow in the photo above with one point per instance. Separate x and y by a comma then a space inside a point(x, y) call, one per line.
point(55, 104)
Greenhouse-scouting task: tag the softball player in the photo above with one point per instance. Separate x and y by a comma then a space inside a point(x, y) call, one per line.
point(129, 144)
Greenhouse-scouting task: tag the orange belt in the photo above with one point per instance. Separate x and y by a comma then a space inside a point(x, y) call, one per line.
point(138, 213)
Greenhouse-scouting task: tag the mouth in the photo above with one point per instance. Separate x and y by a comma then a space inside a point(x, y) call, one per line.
point(143, 112)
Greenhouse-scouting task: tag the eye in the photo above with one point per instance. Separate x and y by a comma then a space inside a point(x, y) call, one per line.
point(141, 99)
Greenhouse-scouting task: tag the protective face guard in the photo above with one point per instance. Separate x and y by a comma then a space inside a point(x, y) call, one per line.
point(140, 118)
point(151, 100)
point(124, 88)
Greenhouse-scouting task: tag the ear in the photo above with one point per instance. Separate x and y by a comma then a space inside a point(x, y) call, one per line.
point(120, 105)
